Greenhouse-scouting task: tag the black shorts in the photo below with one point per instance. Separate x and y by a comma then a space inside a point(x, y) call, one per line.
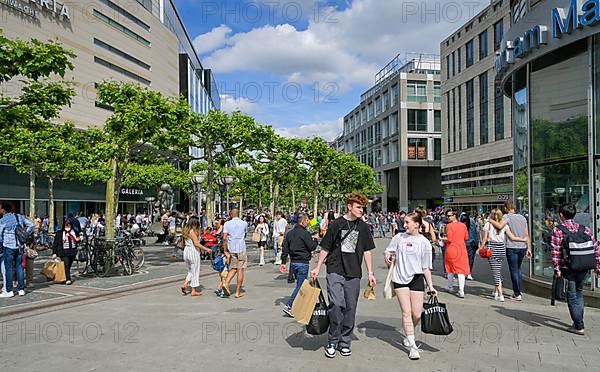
point(417, 284)
point(262, 244)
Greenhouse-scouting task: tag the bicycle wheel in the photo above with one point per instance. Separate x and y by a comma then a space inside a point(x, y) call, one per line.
point(104, 263)
point(125, 259)
point(137, 257)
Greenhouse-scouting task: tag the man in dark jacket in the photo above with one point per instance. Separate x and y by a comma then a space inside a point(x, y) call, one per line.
point(299, 245)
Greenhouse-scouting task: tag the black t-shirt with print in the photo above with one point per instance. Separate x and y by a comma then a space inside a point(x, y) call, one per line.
point(345, 257)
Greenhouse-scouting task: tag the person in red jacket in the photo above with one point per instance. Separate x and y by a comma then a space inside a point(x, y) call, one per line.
point(210, 240)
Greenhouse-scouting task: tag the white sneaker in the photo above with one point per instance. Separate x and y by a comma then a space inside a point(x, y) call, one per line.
point(262, 262)
point(450, 289)
point(461, 294)
point(469, 277)
point(7, 294)
point(496, 295)
point(414, 353)
point(501, 298)
point(21, 293)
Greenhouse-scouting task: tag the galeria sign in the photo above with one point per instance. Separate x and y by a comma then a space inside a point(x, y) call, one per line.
point(564, 22)
point(31, 7)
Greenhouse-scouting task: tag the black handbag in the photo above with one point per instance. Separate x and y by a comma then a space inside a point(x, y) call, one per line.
point(435, 319)
point(559, 289)
point(319, 321)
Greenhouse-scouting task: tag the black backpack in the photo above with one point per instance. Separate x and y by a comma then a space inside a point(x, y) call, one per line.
point(21, 233)
point(578, 249)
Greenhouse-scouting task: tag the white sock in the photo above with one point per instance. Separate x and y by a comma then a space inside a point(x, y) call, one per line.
point(461, 282)
point(450, 280)
point(411, 340)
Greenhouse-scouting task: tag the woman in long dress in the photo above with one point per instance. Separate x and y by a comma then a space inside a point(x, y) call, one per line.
point(191, 256)
point(457, 258)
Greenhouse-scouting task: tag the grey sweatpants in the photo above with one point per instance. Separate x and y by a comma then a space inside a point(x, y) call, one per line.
point(343, 296)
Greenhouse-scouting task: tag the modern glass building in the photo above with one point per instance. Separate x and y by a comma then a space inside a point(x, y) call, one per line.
point(142, 41)
point(396, 130)
point(549, 65)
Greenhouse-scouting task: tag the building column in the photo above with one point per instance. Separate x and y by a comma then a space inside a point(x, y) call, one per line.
point(403, 187)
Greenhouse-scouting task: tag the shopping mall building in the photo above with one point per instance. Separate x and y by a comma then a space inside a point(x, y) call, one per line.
point(549, 65)
point(142, 41)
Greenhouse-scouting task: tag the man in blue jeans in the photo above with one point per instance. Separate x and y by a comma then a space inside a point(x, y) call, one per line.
point(588, 256)
point(12, 248)
point(299, 245)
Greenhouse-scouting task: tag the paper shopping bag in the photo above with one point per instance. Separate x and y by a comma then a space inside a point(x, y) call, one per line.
point(59, 273)
point(370, 293)
point(388, 291)
point(305, 302)
point(48, 269)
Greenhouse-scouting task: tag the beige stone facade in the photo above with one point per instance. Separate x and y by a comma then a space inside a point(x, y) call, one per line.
point(122, 41)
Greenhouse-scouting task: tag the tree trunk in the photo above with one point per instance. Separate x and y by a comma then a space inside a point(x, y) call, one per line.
point(272, 201)
point(275, 197)
point(259, 200)
point(50, 204)
point(112, 200)
point(210, 192)
point(241, 208)
point(31, 194)
point(316, 195)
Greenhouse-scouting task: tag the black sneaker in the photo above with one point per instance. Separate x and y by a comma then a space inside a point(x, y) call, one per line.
point(330, 350)
point(345, 351)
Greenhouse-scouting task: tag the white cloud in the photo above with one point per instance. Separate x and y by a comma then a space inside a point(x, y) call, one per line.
point(346, 47)
point(327, 130)
point(230, 104)
point(215, 39)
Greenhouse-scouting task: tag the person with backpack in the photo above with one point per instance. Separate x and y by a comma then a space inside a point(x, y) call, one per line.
point(15, 230)
point(574, 253)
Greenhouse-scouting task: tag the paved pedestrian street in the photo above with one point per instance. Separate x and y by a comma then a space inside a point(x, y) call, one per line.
point(155, 328)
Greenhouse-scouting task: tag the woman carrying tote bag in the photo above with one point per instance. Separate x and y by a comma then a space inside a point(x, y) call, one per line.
point(413, 267)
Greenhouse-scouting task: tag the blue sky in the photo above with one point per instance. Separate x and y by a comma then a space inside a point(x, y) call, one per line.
point(301, 65)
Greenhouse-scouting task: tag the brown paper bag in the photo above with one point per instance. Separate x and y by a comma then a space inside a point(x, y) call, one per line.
point(48, 270)
point(59, 273)
point(305, 302)
point(370, 293)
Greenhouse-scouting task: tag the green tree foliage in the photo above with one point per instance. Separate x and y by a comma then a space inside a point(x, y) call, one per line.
point(37, 69)
point(143, 121)
point(224, 139)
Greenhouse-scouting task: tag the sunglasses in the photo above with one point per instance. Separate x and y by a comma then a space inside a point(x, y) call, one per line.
point(450, 215)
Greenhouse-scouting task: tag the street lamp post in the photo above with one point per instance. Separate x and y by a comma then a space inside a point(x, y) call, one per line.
point(150, 200)
point(197, 180)
point(220, 182)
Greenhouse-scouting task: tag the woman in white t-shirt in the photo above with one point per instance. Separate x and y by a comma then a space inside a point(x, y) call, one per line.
point(263, 229)
point(413, 267)
point(496, 240)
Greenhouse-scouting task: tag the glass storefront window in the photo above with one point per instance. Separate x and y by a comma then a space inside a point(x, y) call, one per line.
point(559, 110)
point(552, 186)
point(559, 107)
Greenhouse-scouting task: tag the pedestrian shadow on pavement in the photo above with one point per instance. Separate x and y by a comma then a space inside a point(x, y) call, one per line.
point(532, 319)
point(281, 300)
point(389, 334)
point(306, 342)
